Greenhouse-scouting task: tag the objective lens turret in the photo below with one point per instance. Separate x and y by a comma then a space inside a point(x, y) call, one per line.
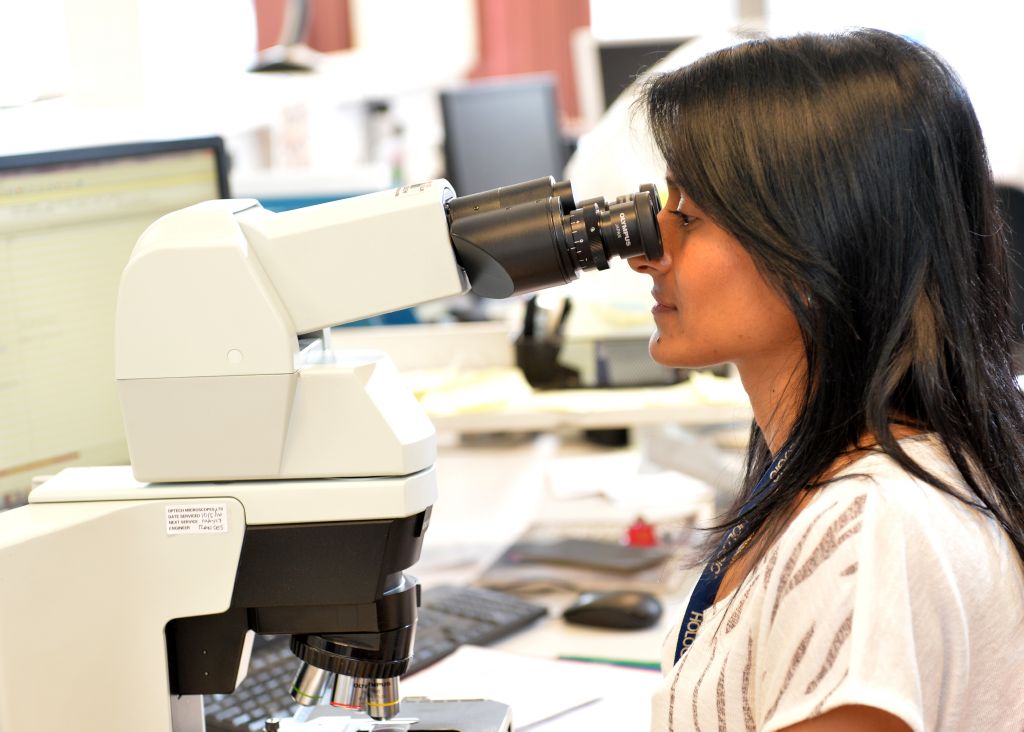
point(365, 664)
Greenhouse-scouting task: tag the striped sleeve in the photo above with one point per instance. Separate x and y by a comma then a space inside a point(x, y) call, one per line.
point(835, 615)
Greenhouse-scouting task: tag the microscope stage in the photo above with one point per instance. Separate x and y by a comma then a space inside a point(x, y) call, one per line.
point(417, 715)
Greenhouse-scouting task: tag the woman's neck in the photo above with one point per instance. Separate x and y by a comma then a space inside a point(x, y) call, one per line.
point(775, 388)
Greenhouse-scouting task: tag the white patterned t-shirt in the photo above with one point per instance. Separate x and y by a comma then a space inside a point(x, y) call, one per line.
point(883, 591)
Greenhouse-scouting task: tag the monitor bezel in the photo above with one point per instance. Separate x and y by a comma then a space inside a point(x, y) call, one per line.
point(545, 82)
point(97, 153)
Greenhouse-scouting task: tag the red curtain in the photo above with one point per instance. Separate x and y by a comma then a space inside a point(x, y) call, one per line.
point(528, 36)
point(516, 36)
point(330, 28)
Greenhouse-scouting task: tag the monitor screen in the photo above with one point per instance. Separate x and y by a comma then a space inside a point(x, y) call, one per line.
point(68, 222)
point(502, 131)
point(622, 61)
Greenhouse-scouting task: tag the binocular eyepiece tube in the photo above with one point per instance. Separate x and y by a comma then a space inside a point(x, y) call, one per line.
point(534, 235)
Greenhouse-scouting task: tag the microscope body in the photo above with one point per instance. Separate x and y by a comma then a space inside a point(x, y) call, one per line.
point(275, 486)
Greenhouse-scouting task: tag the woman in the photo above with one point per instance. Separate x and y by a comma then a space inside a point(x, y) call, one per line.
point(831, 230)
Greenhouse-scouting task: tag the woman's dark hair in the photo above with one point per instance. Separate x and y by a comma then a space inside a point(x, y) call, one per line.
point(852, 169)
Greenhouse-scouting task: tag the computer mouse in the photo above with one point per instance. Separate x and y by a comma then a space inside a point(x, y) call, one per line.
point(621, 609)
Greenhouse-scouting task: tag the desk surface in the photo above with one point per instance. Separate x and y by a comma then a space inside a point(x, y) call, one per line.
point(499, 400)
point(490, 495)
point(546, 416)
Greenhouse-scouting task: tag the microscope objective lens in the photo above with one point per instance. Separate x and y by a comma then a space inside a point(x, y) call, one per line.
point(308, 686)
point(382, 701)
point(349, 693)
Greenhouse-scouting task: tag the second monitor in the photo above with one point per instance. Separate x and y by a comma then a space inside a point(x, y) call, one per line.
point(502, 131)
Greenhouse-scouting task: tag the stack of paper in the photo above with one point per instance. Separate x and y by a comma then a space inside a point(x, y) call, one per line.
point(544, 694)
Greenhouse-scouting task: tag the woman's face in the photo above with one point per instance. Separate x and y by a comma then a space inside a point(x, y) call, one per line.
point(711, 303)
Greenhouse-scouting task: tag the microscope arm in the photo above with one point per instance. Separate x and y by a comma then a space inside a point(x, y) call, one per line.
point(358, 257)
point(224, 287)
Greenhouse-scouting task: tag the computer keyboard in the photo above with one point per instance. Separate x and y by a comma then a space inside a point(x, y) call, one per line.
point(449, 617)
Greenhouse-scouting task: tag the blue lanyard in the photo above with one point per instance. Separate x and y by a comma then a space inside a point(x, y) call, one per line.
point(704, 592)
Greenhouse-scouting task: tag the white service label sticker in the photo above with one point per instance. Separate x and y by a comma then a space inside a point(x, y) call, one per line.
point(197, 518)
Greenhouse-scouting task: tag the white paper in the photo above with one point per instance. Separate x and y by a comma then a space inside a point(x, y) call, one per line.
point(536, 689)
point(621, 477)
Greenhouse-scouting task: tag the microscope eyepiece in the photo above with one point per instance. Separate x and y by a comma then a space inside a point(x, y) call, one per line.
point(533, 235)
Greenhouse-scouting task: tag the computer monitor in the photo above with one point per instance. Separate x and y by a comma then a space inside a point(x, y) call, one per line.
point(501, 131)
point(604, 68)
point(621, 62)
point(68, 222)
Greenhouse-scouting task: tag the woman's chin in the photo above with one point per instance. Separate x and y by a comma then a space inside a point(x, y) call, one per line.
point(673, 356)
point(661, 352)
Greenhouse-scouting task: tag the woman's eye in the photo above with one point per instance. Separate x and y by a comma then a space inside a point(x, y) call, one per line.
point(684, 219)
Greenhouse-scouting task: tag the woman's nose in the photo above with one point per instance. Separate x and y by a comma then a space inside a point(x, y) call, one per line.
point(652, 267)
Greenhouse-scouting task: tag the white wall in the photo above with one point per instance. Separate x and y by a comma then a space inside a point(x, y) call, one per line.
point(614, 20)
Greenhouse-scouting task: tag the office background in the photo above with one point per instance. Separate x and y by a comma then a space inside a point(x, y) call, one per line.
point(314, 100)
point(174, 68)
point(355, 96)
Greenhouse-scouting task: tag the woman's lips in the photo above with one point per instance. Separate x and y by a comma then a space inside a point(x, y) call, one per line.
point(661, 307)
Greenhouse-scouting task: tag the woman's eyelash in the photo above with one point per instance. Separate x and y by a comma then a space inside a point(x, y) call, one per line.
point(685, 219)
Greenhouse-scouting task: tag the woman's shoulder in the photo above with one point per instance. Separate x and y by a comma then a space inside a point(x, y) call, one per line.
point(922, 592)
point(875, 507)
point(876, 485)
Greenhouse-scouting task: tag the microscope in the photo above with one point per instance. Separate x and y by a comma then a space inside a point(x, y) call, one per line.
point(276, 486)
